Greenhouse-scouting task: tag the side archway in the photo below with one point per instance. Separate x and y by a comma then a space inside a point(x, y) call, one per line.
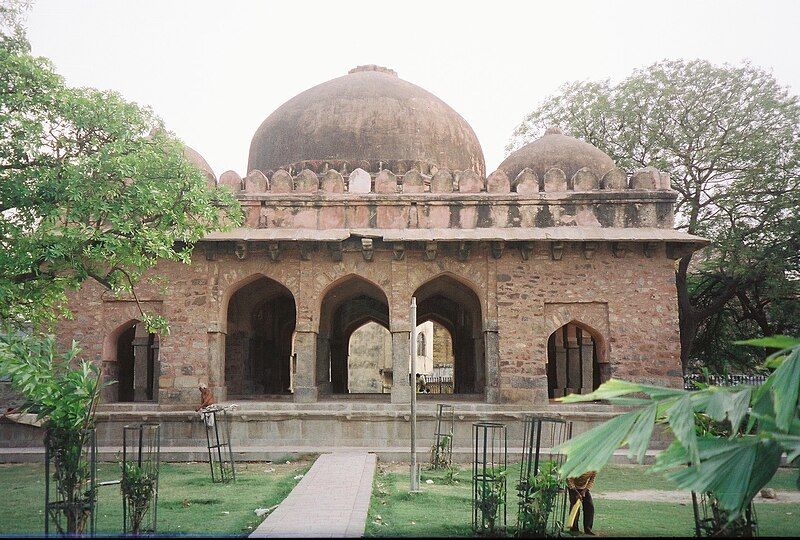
point(576, 362)
point(130, 358)
point(456, 307)
point(260, 324)
point(347, 306)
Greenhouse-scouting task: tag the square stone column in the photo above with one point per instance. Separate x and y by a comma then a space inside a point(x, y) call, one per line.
point(141, 349)
point(491, 339)
point(216, 364)
point(401, 371)
point(305, 350)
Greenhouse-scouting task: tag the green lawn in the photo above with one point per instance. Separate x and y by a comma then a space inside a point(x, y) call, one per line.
point(445, 510)
point(187, 500)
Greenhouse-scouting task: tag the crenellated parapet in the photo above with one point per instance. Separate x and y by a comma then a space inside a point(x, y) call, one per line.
point(327, 179)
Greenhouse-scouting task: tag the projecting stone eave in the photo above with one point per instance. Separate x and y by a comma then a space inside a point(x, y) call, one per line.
point(566, 234)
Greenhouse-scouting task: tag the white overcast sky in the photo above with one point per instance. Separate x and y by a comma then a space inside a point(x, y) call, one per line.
point(214, 70)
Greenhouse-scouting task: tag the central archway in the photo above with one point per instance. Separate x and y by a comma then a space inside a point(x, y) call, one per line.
point(261, 321)
point(456, 308)
point(349, 305)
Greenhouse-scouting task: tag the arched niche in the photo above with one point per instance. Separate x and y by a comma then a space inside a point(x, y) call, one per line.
point(576, 361)
point(347, 305)
point(456, 308)
point(260, 324)
point(130, 358)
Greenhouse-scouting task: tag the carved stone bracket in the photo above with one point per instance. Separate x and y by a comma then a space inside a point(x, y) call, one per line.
point(241, 250)
point(305, 250)
point(336, 251)
point(399, 251)
point(619, 249)
point(650, 249)
point(463, 251)
point(430, 251)
point(557, 250)
point(273, 250)
point(367, 250)
point(211, 250)
point(497, 248)
point(589, 249)
point(525, 250)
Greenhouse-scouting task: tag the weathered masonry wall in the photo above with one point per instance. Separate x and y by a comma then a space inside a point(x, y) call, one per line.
point(624, 296)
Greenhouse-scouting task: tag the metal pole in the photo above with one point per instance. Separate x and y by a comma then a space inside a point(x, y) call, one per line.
point(414, 470)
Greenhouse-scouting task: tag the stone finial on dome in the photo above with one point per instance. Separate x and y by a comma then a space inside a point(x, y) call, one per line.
point(554, 130)
point(373, 67)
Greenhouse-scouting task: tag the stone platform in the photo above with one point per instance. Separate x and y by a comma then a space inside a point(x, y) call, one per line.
point(266, 430)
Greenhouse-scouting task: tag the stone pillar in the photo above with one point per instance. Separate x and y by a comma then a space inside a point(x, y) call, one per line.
point(216, 362)
point(141, 348)
point(479, 348)
point(401, 370)
point(573, 361)
point(491, 339)
point(587, 363)
point(561, 364)
point(305, 349)
point(322, 364)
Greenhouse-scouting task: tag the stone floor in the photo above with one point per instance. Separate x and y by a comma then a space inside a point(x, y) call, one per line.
point(330, 501)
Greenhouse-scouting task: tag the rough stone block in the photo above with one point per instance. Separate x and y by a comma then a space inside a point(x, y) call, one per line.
point(232, 179)
point(256, 182)
point(498, 182)
point(614, 179)
point(555, 181)
point(386, 182)
point(306, 182)
point(442, 182)
point(469, 182)
point(526, 182)
point(281, 182)
point(585, 180)
point(333, 182)
point(647, 178)
point(359, 181)
point(413, 182)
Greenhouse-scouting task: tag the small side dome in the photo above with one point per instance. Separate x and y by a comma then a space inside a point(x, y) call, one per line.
point(199, 161)
point(554, 149)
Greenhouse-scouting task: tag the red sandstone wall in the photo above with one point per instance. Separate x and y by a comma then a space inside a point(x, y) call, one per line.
point(630, 302)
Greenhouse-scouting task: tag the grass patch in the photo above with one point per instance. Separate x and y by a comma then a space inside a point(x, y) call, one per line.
point(187, 499)
point(446, 509)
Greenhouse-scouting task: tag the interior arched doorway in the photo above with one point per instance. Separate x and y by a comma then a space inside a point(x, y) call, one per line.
point(261, 321)
point(575, 360)
point(349, 305)
point(456, 308)
point(137, 366)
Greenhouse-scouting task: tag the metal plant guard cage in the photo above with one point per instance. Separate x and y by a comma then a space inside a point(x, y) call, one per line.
point(710, 520)
point(141, 463)
point(442, 451)
point(489, 471)
point(542, 504)
point(218, 437)
point(70, 472)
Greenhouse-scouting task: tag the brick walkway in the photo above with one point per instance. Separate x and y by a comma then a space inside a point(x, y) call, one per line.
point(330, 501)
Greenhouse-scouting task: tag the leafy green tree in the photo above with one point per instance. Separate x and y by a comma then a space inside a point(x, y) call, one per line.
point(732, 463)
point(91, 187)
point(730, 138)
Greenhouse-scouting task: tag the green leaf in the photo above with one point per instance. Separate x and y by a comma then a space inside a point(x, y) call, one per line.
point(680, 416)
point(772, 342)
point(590, 451)
point(786, 389)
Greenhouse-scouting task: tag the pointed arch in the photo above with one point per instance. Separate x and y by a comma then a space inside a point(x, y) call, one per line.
point(576, 359)
point(130, 357)
point(346, 305)
point(447, 300)
point(260, 319)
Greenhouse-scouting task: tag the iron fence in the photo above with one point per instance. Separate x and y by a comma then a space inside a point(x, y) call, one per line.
point(722, 380)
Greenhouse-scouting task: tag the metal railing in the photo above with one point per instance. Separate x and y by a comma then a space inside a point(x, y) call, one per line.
point(722, 380)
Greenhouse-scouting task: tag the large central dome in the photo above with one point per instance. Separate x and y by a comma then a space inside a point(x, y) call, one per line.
point(369, 115)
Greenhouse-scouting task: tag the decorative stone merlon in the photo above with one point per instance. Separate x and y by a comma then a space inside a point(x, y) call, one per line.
point(281, 182)
point(442, 182)
point(526, 182)
point(333, 182)
point(232, 179)
point(555, 181)
point(498, 182)
point(256, 182)
point(413, 182)
point(469, 182)
point(585, 180)
point(306, 182)
point(386, 182)
point(359, 181)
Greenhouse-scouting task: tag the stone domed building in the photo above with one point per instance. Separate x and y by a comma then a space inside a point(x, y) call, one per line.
point(550, 275)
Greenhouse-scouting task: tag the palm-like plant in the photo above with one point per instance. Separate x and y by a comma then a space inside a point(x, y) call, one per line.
point(761, 425)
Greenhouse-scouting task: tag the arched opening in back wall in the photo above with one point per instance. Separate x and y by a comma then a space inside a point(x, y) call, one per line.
point(136, 364)
point(258, 346)
point(574, 361)
point(456, 310)
point(354, 347)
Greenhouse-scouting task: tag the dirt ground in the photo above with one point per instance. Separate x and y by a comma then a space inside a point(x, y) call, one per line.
point(655, 495)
